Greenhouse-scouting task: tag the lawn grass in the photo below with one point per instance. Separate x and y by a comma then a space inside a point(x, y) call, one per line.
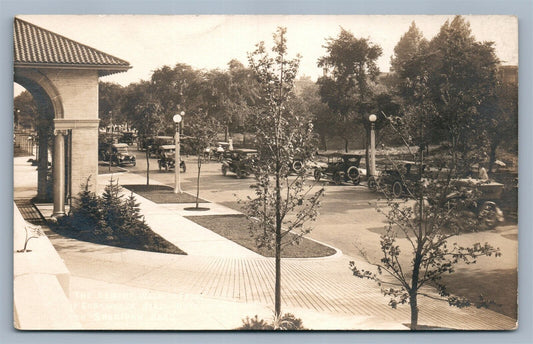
point(162, 194)
point(499, 286)
point(235, 228)
point(104, 169)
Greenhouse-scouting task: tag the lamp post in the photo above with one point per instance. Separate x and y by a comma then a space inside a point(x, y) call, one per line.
point(177, 120)
point(17, 118)
point(372, 118)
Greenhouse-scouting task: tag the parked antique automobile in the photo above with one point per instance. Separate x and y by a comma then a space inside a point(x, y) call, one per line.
point(218, 151)
point(485, 209)
point(401, 175)
point(394, 175)
point(127, 137)
point(152, 144)
point(239, 161)
point(339, 167)
point(118, 154)
point(167, 158)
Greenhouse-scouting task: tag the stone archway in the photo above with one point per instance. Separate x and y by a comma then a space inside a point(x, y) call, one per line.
point(46, 110)
point(62, 75)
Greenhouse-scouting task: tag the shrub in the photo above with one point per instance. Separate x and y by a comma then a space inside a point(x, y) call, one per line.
point(85, 213)
point(287, 322)
point(108, 216)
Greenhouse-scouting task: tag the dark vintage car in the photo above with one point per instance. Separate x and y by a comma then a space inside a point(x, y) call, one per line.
point(167, 158)
point(153, 144)
point(398, 177)
point(395, 175)
point(118, 154)
point(484, 210)
point(127, 137)
point(219, 150)
point(339, 167)
point(239, 161)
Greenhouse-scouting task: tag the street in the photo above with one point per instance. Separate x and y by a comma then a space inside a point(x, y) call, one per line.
point(348, 220)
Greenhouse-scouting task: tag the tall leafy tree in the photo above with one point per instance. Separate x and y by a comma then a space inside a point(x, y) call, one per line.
point(110, 96)
point(231, 94)
point(281, 135)
point(178, 88)
point(405, 63)
point(148, 120)
point(307, 92)
point(500, 120)
point(350, 70)
point(462, 77)
point(25, 110)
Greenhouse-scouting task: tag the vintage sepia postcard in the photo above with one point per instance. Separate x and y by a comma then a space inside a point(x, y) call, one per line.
point(265, 172)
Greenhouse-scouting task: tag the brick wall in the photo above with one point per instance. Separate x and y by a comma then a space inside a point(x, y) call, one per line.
point(84, 158)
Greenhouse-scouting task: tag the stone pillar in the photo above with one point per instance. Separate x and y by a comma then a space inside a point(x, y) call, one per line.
point(42, 166)
point(58, 173)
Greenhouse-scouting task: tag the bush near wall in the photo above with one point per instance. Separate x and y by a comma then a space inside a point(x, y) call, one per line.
point(110, 219)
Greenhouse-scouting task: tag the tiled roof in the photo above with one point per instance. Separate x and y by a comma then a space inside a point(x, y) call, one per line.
point(37, 46)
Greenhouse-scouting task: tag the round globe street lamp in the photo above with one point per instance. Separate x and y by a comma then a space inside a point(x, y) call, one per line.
point(372, 118)
point(177, 120)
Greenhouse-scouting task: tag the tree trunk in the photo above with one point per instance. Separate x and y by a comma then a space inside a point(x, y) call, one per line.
point(277, 302)
point(324, 142)
point(413, 302)
point(198, 179)
point(346, 145)
point(492, 156)
point(147, 166)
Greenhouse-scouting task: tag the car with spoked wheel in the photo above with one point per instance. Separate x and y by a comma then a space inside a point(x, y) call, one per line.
point(239, 161)
point(167, 158)
point(394, 177)
point(339, 168)
point(120, 155)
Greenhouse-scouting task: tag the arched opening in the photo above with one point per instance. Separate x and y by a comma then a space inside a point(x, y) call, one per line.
point(38, 103)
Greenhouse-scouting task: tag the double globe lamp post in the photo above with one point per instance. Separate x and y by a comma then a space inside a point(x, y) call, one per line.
point(372, 118)
point(178, 118)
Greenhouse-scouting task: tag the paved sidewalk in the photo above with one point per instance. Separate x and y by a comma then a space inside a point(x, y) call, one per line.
point(219, 283)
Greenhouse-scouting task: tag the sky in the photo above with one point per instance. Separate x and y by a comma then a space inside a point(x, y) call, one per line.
point(211, 41)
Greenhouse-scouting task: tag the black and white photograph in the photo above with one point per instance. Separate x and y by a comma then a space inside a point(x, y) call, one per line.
point(265, 172)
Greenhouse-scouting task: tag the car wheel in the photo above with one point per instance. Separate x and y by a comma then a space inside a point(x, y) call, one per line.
point(353, 174)
point(317, 174)
point(160, 166)
point(397, 188)
point(337, 178)
point(224, 170)
point(297, 166)
point(238, 174)
point(488, 215)
point(134, 163)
